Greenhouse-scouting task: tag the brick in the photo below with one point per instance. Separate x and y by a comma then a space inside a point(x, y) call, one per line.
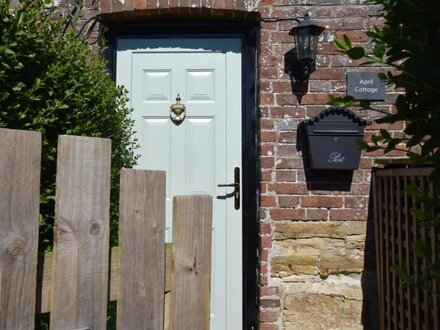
point(287, 124)
point(266, 229)
point(290, 163)
point(268, 316)
point(268, 60)
point(264, 111)
point(105, 6)
point(287, 214)
point(348, 214)
point(360, 188)
point(287, 137)
point(285, 176)
point(268, 25)
point(288, 201)
point(207, 3)
point(281, 37)
point(267, 149)
point(270, 303)
point(263, 280)
point(355, 36)
point(268, 326)
point(265, 242)
point(267, 162)
point(269, 291)
point(320, 86)
point(153, 4)
point(268, 136)
point(321, 201)
point(315, 99)
point(288, 188)
point(265, 86)
point(287, 111)
point(263, 255)
point(266, 98)
point(288, 99)
point(268, 201)
point(286, 150)
point(266, 175)
point(263, 268)
point(355, 202)
point(128, 5)
point(282, 87)
point(268, 73)
point(117, 6)
point(316, 214)
point(266, 124)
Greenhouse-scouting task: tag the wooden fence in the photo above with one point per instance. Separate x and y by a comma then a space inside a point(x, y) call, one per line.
point(76, 281)
point(400, 306)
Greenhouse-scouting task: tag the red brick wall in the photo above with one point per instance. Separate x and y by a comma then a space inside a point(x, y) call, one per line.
point(314, 241)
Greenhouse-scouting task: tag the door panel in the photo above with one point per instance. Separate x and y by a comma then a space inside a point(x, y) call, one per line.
point(200, 152)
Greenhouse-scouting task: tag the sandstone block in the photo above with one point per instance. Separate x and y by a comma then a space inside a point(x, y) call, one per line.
point(290, 265)
point(314, 311)
point(310, 229)
point(311, 245)
point(341, 261)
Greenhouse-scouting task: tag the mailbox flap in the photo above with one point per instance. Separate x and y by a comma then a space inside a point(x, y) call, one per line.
point(337, 128)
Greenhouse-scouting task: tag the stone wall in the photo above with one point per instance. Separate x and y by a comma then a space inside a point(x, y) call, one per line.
point(316, 256)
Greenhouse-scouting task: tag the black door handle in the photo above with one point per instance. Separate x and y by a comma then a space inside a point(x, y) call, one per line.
point(236, 186)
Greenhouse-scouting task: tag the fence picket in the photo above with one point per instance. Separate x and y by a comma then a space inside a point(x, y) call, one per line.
point(81, 234)
point(192, 226)
point(20, 161)
point(142, 250)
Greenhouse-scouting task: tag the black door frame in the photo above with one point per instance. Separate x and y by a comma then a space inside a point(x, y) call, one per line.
point(248, 32)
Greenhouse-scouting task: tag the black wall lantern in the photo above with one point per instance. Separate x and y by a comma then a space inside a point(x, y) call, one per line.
point(306, 39)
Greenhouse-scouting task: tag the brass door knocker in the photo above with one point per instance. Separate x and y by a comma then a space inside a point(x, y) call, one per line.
point(177, 111)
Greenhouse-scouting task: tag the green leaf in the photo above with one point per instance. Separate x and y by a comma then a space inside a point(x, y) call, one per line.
point(379, 50)
point(356, 52)
point(416, 159)
point(392, 144)
point(421, 250)
point(9, 51)
point(362, 144)
point(402, 273)
point(347, 41)
point(341, 44)
point(385, 134)
point(382, 76)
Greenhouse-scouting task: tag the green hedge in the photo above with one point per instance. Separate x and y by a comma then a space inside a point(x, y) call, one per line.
point(55, 84)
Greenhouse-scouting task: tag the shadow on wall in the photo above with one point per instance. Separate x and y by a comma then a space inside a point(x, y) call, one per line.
point(370, 308)
point(299, 87)
point(341, 180)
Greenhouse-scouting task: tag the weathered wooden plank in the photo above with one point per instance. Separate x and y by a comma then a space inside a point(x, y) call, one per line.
point(81, 234)
point(142, 250)
point(418, 171)
point(20, 162)
point(44, 277)
point(192, 226)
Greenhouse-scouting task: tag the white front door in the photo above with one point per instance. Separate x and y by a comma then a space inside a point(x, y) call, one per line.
point(203, 150)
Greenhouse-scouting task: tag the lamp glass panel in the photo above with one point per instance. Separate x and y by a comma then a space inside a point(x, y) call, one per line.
point(302, 43)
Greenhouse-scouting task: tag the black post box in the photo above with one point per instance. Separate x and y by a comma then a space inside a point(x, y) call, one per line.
point(332, 137)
